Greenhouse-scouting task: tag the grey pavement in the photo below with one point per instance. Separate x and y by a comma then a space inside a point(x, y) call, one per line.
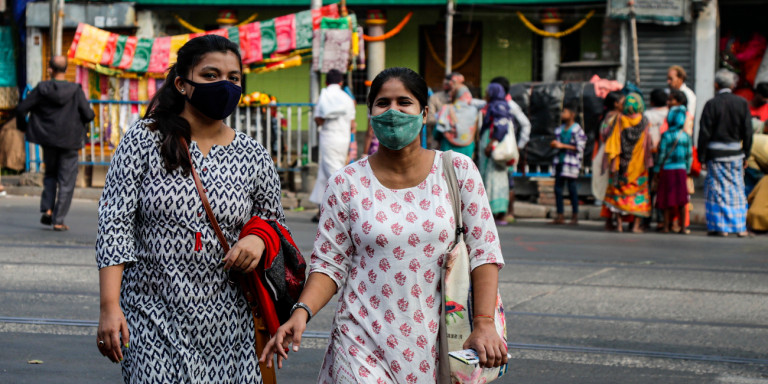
point(583, 305)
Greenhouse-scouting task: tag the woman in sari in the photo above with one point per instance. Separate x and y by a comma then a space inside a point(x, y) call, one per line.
point(497, 122)
point(627, 159)
point(457, 122)
point(613, 104)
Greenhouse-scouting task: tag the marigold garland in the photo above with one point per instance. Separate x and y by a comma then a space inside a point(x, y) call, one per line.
point(392, 32)
point(556, 35)
point(461, 62)
point(194, 29)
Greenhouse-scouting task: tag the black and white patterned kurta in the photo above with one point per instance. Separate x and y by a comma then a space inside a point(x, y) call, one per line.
point(187, 325)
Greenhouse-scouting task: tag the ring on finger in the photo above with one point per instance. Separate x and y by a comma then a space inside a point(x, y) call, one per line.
point(101, 343)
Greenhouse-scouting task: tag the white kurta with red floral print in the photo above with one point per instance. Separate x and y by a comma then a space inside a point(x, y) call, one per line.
point(383, 248)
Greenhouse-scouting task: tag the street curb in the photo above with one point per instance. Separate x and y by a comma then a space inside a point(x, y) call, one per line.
point(292, 200)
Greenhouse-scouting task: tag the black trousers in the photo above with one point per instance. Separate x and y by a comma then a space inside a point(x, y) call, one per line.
point(573, 191)
point(59, 181)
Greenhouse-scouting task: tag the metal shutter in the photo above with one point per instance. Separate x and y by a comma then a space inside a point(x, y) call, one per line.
point(660, 47)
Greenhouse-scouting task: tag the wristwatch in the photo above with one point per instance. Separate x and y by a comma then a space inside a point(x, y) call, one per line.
point(304, 307)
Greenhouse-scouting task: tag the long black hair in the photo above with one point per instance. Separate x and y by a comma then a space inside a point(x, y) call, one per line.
point(412, 81)
point(167, 104)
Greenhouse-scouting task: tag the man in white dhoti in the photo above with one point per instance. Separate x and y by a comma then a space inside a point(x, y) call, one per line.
point(335, 118)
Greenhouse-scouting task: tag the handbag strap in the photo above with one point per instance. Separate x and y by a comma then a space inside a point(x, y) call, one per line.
point(453, 189)
point(444, 366)
point(669, 152)
point(206, 205)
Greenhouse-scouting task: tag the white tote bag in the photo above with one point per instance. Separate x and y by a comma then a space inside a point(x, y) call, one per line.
point(599, 178)
point(506, 153)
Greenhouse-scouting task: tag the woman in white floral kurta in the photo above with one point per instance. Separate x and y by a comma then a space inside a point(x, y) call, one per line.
point(380, 243)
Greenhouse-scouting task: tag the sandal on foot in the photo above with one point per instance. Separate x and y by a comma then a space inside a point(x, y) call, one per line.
point(60, 228)
point(684, 231)
point(46, 219)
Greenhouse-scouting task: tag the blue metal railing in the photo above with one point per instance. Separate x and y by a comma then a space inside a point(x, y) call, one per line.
point(280, 127)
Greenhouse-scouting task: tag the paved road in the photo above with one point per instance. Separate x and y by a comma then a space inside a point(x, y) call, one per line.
point(583, 306)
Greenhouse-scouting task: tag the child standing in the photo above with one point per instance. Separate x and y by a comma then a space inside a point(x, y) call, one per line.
point(569, 141)
point(675, 157)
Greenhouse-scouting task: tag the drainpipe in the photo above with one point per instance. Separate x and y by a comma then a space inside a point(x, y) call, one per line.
point(57, 26)
point(376, 49)
point(706, 58)
point(450, 11)
point(633, 29)
point(550, 46)
point(314, 76)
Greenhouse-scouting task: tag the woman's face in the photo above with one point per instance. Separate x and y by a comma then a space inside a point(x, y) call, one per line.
point(213, 67)
point(394, 95)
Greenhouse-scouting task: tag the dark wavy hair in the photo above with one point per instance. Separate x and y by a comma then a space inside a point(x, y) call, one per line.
point(412, 81)
point(167, 104)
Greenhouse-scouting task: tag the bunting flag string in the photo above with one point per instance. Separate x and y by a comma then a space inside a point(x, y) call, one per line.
point(265, 45)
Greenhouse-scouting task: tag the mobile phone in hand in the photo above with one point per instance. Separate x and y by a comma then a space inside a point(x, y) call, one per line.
point(468, 356)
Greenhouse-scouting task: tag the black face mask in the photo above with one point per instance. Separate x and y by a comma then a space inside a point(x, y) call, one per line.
point(215, 100)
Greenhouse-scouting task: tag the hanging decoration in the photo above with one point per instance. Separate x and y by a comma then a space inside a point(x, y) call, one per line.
point(458, 64)
point(393, 32)
point(266, 45)
point(221, 18)
point(556, 35)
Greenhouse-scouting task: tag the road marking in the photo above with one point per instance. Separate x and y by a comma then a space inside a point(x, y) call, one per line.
point(561, 286)
point(515, 346)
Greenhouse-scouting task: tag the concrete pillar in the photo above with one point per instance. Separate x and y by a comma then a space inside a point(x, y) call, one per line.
point(376, 22)
point(621, 74)
point(550, 46)
point(706, 58)
point(34, 56)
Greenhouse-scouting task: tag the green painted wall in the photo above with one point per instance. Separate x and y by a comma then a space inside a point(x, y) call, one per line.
point(403, 48)
point(592, 36)
point(506, 51)
point(507, 48)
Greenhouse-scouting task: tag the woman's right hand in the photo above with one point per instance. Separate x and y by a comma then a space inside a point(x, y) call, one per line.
point(113, 331)
point(288, 333)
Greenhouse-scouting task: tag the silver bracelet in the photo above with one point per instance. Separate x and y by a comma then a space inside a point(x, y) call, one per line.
point(304, 307)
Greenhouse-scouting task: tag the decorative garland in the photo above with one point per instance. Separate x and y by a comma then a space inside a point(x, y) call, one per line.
point(392, 32)
point(194, 29)
point(461, 62)
point(556, 35)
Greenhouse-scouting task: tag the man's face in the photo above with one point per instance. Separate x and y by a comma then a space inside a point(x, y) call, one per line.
point(447, 86)
point(673, 80)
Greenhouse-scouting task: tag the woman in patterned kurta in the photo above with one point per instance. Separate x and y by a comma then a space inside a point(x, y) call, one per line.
point(384, 229)
point(157, 250)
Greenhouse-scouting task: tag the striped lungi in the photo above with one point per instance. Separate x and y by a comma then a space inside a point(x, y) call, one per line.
point(726, 202)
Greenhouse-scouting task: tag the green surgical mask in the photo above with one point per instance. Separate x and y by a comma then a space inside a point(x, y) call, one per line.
point(396, 129)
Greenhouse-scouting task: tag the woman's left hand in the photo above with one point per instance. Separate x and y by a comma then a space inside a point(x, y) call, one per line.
point(489, 345)
point(488, 150)
point(245, 255)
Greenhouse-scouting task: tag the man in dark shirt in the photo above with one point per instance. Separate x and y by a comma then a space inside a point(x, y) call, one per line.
point(58, 112)
point(725, 139)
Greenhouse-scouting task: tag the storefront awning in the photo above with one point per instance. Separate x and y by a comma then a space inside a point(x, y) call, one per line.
point(305, 3)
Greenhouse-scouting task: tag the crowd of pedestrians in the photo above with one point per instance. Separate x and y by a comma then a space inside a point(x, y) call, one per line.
point(385, 223)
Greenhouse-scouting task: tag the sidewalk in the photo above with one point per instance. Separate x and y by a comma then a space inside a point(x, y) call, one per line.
point(300, 200)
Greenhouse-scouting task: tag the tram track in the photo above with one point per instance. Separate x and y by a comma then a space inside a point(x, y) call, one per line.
point(510, 345)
